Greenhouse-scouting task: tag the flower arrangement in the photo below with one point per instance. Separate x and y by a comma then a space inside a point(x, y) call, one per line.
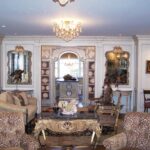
point(68, 107)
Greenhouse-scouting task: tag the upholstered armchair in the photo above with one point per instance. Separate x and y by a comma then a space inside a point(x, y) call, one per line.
point(136, 134)
point(12, 133)
point(20, 102)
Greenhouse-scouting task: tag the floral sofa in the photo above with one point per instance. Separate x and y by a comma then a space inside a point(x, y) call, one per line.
point(12, 133)
point(20, 102)
point(136, 135)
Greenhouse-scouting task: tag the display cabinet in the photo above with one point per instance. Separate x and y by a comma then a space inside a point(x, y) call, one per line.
point(91, 79)
point(45, 79)
point(45, 83)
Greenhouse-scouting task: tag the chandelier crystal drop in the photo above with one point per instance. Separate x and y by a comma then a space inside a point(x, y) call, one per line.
point(67, 30)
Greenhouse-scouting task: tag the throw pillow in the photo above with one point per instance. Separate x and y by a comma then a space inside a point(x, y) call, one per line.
point(3, 97)
point(10, 97)
point(24, 97)
point(17, 101)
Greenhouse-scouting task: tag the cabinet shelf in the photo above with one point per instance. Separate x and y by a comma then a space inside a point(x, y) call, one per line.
point(91, 79)
point(45, 68)
point(91, 92)
point(45, 75)
point(91, 84)
point(45, 91)
point(92, 70)
point(45, 81)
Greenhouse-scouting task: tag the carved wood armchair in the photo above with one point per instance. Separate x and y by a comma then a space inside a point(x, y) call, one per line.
point(108, 115)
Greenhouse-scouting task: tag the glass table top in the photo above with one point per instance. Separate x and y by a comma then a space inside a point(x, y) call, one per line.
point(78, 115)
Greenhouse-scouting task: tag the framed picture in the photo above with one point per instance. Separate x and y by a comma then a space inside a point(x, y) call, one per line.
point(148, 66)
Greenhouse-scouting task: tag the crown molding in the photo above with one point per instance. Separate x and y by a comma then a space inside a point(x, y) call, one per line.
point(53, 38)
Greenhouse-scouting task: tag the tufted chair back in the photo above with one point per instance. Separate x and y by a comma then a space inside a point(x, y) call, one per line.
point(137, 129)
point(11, 129)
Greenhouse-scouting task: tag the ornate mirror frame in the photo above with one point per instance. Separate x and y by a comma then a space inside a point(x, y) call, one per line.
point(117, 66)
point(19, 67)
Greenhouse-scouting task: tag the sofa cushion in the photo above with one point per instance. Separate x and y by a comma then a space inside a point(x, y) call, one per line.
point(138, 130)
point(12, 129)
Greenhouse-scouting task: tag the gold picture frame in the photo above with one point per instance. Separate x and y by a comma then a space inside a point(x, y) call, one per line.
point(148, 66)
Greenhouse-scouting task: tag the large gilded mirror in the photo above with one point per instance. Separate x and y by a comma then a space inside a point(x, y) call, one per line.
point(117, 65)
point(19, 66)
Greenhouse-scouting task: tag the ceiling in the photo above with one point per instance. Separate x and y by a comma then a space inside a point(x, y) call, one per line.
point(98, 17)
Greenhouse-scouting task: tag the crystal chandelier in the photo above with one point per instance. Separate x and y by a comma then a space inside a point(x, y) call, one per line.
point(63, 2)
point(67, 30)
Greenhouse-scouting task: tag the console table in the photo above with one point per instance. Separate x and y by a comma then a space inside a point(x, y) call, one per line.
point(126, 95)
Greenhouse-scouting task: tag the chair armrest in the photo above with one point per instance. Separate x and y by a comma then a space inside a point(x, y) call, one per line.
point(115, 142)
point(29, 142)
point(12, 107)
point(147, 100)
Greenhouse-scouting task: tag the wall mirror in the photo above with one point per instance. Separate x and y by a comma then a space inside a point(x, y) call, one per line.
point(117, 65)
point(19, 66)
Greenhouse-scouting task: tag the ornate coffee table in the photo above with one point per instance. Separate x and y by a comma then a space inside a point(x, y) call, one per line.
point(68, 124)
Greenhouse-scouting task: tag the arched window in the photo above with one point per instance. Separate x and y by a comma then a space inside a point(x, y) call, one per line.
point(69, 63)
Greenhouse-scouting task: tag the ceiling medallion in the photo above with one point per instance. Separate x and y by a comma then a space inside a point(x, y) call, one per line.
point(67, 30)
point(63, 2)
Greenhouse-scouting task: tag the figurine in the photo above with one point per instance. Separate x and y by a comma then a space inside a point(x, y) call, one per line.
point(17, 76)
